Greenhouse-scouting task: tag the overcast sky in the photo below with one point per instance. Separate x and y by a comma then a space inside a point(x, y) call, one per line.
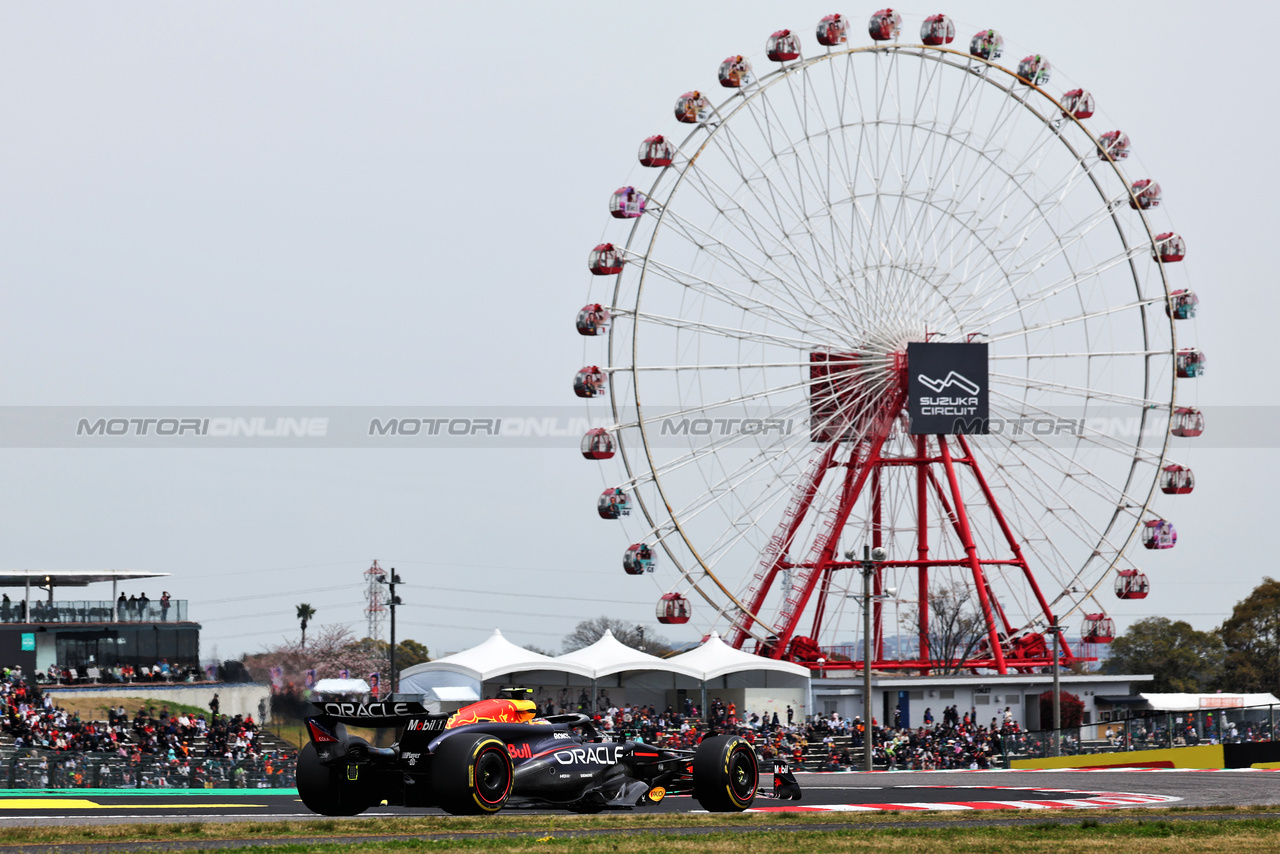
point(391, 203)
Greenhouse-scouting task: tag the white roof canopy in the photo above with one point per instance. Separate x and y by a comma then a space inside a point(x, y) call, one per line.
point(495, 657)
point(70, 577)
point(341, 686)
point(609, 655)
point(498, 656)
point(716, 658)
point(1206, 702)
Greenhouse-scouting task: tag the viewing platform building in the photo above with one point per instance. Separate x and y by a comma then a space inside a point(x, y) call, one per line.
point(93, 636)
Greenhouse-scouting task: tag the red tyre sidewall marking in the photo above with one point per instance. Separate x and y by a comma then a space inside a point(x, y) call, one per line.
point(487, 747)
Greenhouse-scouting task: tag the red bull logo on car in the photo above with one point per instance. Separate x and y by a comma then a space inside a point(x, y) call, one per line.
point(497, 711)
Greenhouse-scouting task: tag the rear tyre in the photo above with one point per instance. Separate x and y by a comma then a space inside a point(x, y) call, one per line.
point(471, 776)
point(325, 789)
point(725, 774)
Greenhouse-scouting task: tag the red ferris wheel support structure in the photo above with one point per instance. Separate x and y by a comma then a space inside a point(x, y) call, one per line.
point(855, 404)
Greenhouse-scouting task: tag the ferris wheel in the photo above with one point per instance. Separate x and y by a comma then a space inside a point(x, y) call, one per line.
point(843, 226)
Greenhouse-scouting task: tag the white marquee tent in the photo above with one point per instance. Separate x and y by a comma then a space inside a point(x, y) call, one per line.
point(489, 661)
point(609, 673)
point(715, 659)
point(609, 655)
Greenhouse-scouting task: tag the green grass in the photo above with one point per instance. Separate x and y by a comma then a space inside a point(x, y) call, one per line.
point(93, 707)
point(705, 834)
point(1133, 836)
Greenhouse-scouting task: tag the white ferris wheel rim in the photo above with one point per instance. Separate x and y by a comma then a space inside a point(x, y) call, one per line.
point(701, 575)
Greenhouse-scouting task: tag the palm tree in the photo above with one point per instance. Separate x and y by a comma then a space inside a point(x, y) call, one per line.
point(305, 613)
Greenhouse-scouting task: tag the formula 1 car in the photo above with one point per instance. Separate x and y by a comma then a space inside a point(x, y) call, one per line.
point(496, 753)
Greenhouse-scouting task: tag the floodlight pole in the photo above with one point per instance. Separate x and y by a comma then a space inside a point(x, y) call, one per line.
point(1057, 691)
point(392, 601)
point(868, 741)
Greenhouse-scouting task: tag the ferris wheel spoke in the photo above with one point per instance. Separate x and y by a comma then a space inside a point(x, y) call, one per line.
point(712, 498)
point(992, 312)
point(1050, 291)
point(818, 165)
point(972, 228)
point(860, 224)
point(799, 179)
point(908, 128)
point(1057, 243)
point(1057, 246)
point(1031, 522)
point(1015, 176)
point(724, 404)
point(785, 293)
point(1090, 482)
point(727, 366)
point(1079, 474)
point(787, 444)
point(734, 203)
point(1090, 394)
point(752, 516)
point(826, 164)
point(1021, 409)
point(732, 332)
point(1084, 534)
point(658, 469)
point(785, 205)
point(744, 302)
point(785, 448)
point(1088, 354)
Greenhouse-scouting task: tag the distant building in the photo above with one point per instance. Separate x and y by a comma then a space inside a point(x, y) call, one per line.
point(37, 630)
point(987, 696)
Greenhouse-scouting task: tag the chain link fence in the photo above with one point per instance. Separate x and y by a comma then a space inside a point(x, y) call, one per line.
point(1146, 730)
point(51, 769)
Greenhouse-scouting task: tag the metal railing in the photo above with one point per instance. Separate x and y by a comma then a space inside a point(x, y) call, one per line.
point(50, 769)
point(100, 611)
point(1147, 730)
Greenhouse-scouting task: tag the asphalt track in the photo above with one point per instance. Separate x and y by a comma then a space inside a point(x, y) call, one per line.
point(978, 792)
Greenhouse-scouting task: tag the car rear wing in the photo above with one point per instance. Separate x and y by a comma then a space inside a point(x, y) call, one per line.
point(386, 713)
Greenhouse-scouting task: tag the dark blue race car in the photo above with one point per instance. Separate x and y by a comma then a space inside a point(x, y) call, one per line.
point(497, 753)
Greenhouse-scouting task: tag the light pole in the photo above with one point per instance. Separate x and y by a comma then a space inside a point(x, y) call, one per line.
point(640, 631)
point(870, 557)
point(1056, 628)
point(392, 601)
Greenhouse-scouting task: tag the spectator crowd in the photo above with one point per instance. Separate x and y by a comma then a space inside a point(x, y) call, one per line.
point(161, 671)
point(823, 743)
point(54, 747)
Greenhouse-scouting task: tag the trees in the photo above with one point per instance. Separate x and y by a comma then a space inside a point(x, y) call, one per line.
point(589, 631)
point(333, 649)
point(1070, 707)
point(956, 627)
point(410, 652)
point(1180, 658)
point(305, 613)
point(1251, 638)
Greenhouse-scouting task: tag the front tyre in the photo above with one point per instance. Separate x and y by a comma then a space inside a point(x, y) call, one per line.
point(471, 776)
point(725, 774)
point(324, 789)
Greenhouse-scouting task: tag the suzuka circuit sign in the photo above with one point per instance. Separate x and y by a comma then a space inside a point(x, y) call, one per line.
point(947, 388)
